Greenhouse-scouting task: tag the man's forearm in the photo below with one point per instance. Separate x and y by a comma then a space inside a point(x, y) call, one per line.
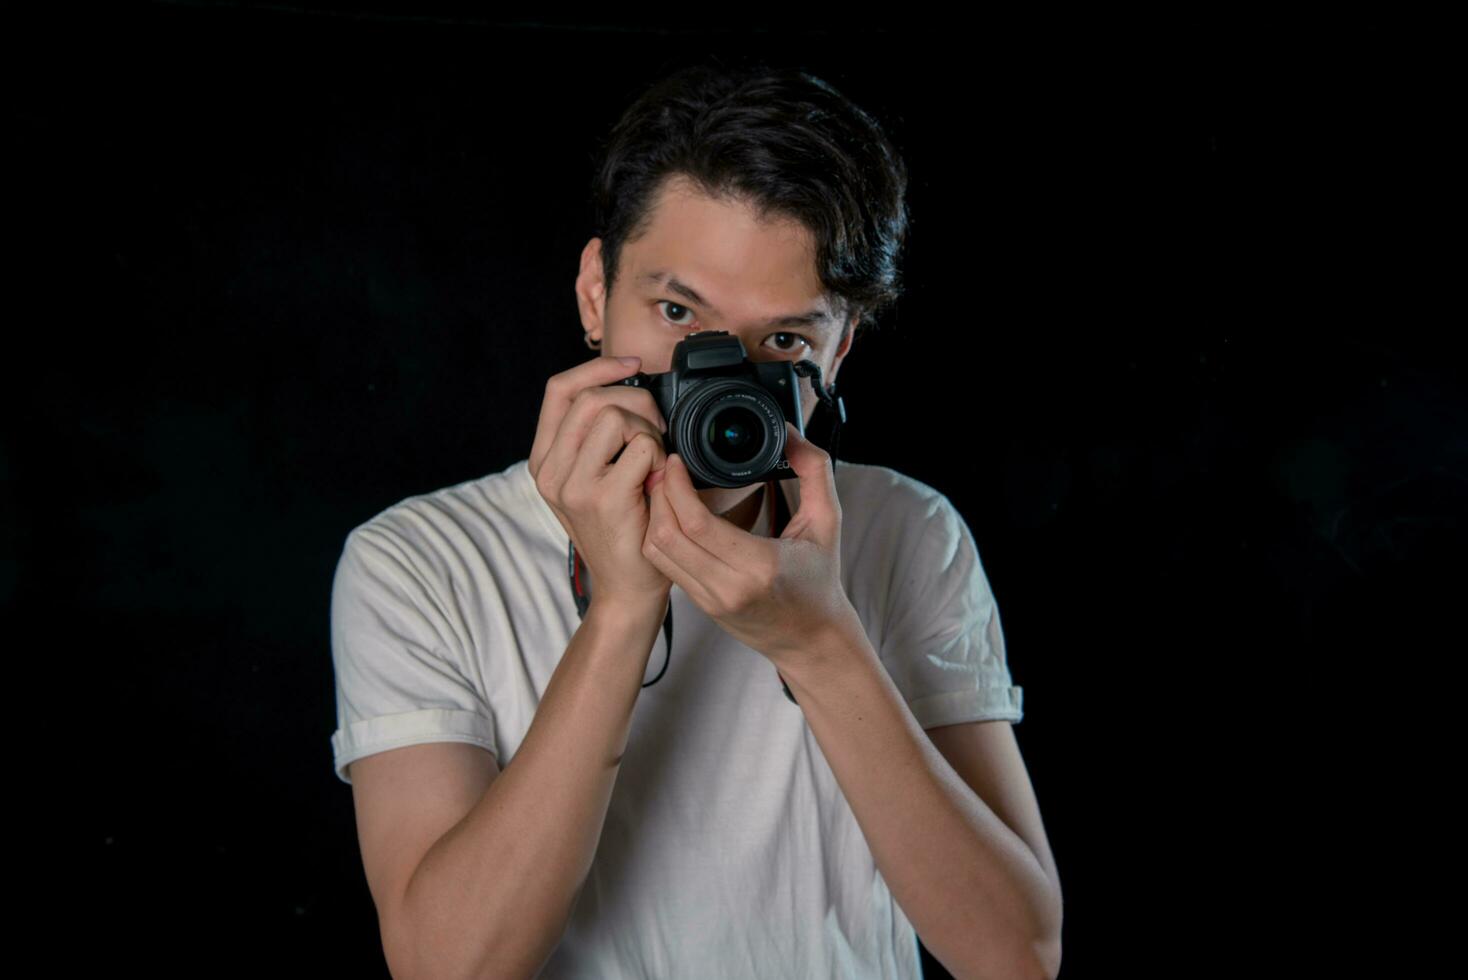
point(974, 891)
point(492, 897)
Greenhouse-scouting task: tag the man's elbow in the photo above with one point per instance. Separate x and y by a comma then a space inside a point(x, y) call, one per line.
point(1047, 948)
point(1047, 956)
point(1038, 960)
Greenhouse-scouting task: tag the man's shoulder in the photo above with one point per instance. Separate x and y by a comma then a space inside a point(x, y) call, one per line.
point(881, 491)
point(887, 514)
point(457, 516)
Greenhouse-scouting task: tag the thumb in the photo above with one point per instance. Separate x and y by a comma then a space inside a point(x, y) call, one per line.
point(655, 477)
point(819, 507)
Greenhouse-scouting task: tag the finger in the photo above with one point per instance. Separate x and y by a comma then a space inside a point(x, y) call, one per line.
point(610, 432)
point(561, 390)
point(642, 460)
point(717, 535)
point(676, 575)
point(656, 476)
point(578, 420)
point(659, 555)
point(717, 552)
point(819, 506)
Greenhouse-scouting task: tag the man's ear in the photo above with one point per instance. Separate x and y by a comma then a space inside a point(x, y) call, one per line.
point(591, 292)
point(843, 350)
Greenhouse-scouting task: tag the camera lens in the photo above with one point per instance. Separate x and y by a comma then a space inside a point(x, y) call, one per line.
point(731, 431)
point(735, 434)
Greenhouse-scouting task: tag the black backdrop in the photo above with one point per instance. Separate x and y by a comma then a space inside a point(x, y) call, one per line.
point(1167, 344)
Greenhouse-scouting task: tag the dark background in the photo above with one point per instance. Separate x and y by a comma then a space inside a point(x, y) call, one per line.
point(1169, 343)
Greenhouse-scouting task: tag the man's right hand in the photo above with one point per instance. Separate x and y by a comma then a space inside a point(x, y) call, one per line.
point(596, 450)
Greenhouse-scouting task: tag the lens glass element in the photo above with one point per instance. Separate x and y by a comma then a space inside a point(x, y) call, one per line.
point(736, 434)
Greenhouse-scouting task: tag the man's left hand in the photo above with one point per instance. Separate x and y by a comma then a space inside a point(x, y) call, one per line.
point(775, 595)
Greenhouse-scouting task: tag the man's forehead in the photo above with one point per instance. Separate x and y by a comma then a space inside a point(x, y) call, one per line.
point(691, 233)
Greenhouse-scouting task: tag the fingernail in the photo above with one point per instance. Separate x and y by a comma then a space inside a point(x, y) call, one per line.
point(630, 361)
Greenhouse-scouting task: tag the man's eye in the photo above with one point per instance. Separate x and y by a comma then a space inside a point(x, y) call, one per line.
point(800, 337)
point(669, 303)
point(786, 348)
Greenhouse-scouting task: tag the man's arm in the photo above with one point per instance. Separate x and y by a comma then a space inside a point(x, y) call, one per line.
point(974, 890)
point(491, 898)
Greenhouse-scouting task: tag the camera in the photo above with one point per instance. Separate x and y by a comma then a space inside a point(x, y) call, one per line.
point(726, 414)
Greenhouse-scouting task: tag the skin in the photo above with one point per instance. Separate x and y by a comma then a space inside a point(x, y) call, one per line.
point(747, 272)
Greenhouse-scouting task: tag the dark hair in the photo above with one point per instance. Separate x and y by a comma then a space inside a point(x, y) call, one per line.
point(780, 140)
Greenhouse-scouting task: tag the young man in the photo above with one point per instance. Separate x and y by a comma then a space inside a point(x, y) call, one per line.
point(709, 825)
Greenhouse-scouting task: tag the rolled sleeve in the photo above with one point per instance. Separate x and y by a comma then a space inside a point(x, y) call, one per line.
point(944, 643)
point(396, 656)
point(369, 735)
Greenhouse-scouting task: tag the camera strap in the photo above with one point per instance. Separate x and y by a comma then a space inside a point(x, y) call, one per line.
point(779, 517)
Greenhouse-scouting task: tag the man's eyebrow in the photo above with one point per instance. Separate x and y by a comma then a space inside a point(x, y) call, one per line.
point(821, 319)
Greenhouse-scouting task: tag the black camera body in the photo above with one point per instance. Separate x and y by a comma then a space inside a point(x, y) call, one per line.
point(726, 414)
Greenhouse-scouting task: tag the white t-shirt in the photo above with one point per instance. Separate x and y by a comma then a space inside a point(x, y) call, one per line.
point(728, 848)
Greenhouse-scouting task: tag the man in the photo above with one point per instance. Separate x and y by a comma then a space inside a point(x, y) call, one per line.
point(708, 825)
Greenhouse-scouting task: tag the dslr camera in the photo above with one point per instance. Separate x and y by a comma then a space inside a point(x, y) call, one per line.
point(726, 414)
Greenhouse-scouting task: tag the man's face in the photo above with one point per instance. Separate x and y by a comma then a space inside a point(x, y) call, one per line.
point(709, 265)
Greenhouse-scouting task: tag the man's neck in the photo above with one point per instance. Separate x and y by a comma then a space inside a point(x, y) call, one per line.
point(743, 514)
